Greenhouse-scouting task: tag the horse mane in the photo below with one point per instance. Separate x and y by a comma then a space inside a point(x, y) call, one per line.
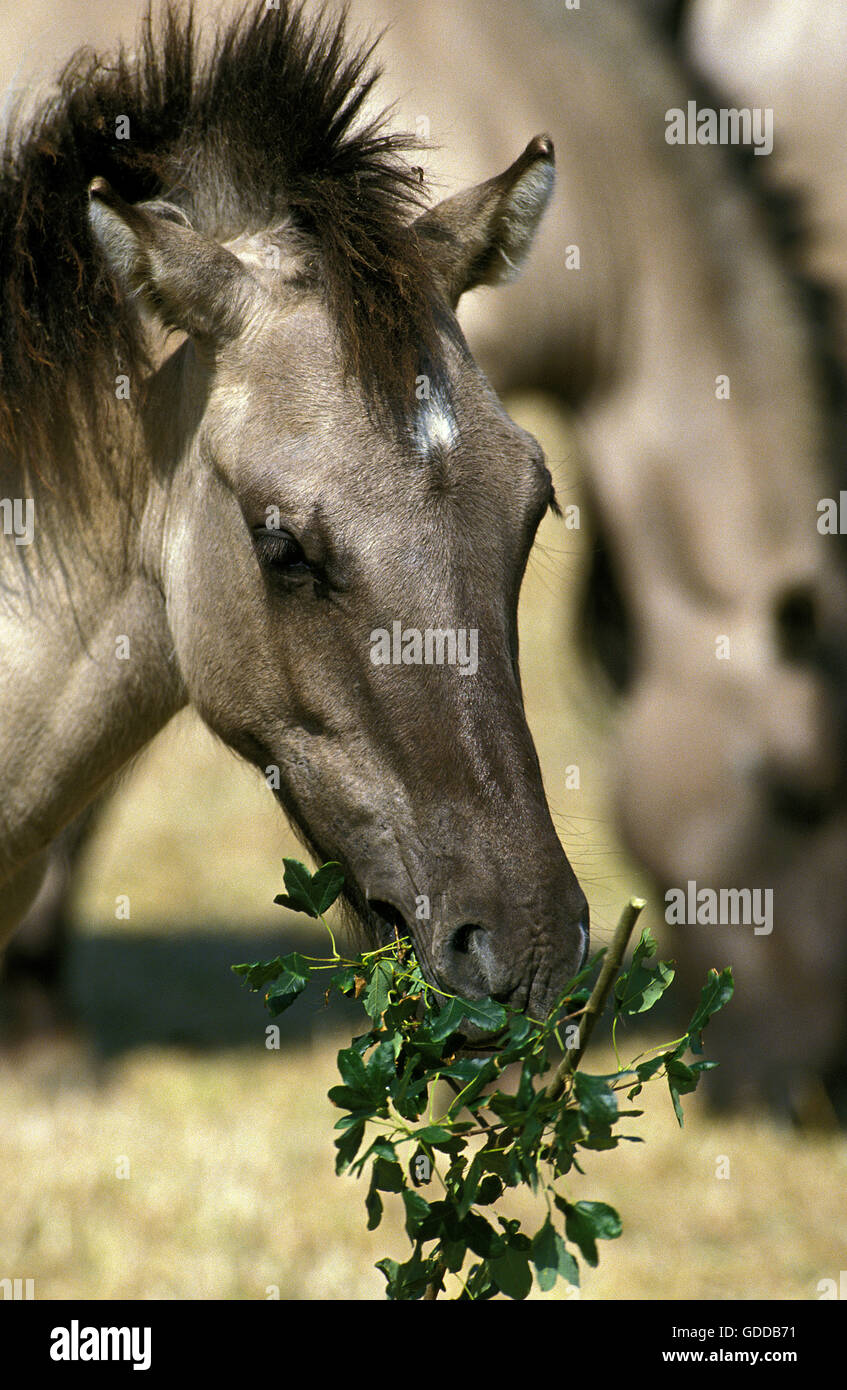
point(263, 127)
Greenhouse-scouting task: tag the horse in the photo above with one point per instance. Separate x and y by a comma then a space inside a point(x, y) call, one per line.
point(770, 59)
point(773, 58)
point(243, 438)
point(653, 275)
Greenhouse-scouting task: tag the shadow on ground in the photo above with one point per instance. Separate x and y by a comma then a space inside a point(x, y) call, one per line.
point(125, 991)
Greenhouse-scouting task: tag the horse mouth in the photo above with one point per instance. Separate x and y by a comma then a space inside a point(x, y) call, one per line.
point(387, 921)
point(384, 924)
point(474, 1042)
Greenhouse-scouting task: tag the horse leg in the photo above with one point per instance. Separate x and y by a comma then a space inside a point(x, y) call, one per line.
point(19, 894)
point(32, 970)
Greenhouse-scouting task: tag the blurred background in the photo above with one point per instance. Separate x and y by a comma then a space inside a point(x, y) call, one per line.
point(153, 1147)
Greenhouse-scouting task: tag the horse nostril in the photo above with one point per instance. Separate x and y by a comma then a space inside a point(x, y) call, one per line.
point(476, 969)
point(460, 941)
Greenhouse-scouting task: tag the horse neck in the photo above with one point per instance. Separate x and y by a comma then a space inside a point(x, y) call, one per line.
point(87, 675)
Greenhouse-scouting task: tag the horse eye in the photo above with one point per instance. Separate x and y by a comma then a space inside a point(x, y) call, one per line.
point(279, 551)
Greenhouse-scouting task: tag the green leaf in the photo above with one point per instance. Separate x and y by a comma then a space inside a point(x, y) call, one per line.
point(638, 989)
point(391, 1270)
point(298, 882)
point(292, 980)
point(381, 1069)
point(380, 1148)
point(588, 1222)
point(605, 1220)
point(399, 1059)
point(308, 893)
point(520, 1029)
point(716, 992)
point(582, 1235)
point(484, 1013)
point(511, 1273)
point(490, 1190)
point(481, 1235)
point(645, 1070)
point(388, 1176)
point(478, 1284)
point(577, 988)
point(352, 1068)
point(376, 997)
point(366, 1087)
point(409, 1280)
point(344, 979)
point(439, 1223)
point(598, 1103)
point(481, 1013)
point(259, 973)
point(373, 1203)
point(357, 1115)
point(569, 1129)
point(474, 1074)
point(551, 1258)
point(434, 1134)
point(525, 1091)
point(326, 885)
point(417, 1211)
point(449, 1021)
point(681, 1080)
point(453, 1254)
point(348, 1146)
point(470, 1186)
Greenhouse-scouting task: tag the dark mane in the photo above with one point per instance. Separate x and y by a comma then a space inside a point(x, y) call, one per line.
point(265, 127)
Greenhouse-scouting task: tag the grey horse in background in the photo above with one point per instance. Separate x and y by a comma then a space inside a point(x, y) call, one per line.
point(788, 59)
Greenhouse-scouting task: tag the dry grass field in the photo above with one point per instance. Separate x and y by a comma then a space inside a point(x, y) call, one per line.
point(231, 1191)
point(165, 1153)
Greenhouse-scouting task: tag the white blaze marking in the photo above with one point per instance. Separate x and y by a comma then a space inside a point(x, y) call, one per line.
point(435, 427)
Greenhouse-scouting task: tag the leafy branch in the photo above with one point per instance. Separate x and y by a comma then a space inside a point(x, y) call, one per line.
point(485, 1140)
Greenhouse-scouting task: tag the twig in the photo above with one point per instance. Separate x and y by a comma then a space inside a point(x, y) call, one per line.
point(436, 1283)
point(594, 1008)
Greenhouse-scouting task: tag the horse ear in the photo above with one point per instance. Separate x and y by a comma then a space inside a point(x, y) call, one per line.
point(482, 235)
point(189, 280)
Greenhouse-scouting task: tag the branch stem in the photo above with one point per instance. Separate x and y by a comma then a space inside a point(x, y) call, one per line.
point(597, 1002)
